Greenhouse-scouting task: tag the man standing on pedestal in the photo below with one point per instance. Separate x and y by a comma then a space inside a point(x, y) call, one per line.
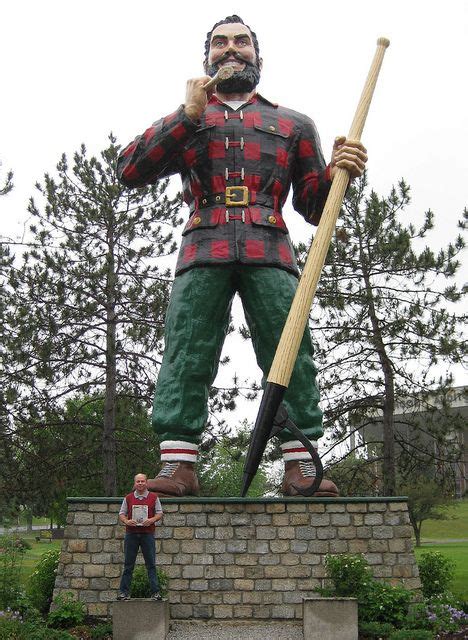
point(139, 512)
point(238, 155)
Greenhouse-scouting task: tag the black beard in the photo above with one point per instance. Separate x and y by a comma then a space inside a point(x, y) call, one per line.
point(240, 82)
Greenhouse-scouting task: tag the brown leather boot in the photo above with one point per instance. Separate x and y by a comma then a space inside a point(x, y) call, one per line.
point(175, 479)
point(301, 474)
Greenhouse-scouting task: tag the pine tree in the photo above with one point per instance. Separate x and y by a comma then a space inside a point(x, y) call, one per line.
point(387, 316)
point(90, 294)
point(6, 262)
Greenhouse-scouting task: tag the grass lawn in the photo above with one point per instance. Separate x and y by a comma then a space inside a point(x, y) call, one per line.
point(32, 556)
point(458, 552)
point(455, 527)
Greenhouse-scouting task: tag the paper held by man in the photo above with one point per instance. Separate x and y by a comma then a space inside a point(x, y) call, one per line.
point(140, 513)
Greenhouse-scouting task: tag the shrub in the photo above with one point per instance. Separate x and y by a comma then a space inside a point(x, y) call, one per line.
point(441, 614)
point(376, 630)
point(42, 580)
point(377, 601)
point(349, 574)
point(436, 573)
point(445, 617)
point(67, 612)
point(102, 631)
point(383, 602)
point(11, 559)
point(413, 634)
point(13, 627)
point(21, 543)
point(140, 584)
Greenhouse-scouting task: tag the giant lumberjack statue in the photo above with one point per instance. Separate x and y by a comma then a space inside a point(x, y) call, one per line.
point(238, 155)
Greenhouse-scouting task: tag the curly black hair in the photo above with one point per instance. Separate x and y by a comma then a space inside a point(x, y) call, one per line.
point(229, 20)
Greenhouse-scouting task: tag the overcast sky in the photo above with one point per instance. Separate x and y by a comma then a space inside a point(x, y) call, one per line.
point(74, 71)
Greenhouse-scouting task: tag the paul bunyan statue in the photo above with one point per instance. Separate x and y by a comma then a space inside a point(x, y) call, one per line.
point(238, 154)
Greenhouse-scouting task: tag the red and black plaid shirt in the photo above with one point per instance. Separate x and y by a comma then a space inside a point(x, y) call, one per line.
point(261, 146)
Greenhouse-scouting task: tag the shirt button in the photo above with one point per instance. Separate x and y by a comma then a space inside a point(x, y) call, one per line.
point(272, 128)
point(197, 220)
point(272, 219)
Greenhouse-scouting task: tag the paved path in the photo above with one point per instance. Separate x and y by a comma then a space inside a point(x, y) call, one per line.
point(444, 541)
point(23, 528)
point(219, 631)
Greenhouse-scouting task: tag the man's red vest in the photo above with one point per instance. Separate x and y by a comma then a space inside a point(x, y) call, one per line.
point(150, 500)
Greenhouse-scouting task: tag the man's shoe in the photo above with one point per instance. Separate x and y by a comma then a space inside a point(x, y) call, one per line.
point(158, 597)
point(123, 596)
point(301, 474)
point(177, 479)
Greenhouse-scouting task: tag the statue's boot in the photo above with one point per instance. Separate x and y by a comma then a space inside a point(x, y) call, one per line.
point(176, 479)
point(301, 474)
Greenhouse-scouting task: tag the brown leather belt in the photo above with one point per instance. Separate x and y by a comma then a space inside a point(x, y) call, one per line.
point(234, 196)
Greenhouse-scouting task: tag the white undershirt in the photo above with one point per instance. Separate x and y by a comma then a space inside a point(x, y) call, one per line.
point(234, 104)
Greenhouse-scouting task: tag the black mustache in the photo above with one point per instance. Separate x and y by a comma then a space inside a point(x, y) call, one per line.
point(235, 55)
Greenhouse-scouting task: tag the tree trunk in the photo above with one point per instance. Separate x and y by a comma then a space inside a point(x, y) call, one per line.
point(29, 520)
point(389, 474)
point(417, 533)
point(388, 467)
point(109, 450)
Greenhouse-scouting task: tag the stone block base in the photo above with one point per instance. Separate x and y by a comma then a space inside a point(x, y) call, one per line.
point(330, 619)
point(237, 558)
point(140, 619)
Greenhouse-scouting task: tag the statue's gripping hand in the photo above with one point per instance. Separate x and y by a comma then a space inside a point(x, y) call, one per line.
point(196, 97)
point(350, 155)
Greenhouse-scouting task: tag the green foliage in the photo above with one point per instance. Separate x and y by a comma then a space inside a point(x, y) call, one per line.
point(8, 184)
point(42, 580)
point(377, 601)
point(413, 634)
point(354, 476)
point(386, 319)
point(220, 470)
point(436, 572)
point(383, 602)
point(458, 552)
point(349, 574)
point(140, 587)
point(67, 612)
point(84, 316)
point(14, 627)
point(427, 499)
point(102, 631)
point(23, 544)
point(11, 558)
point(440, 614)
point(377, 630)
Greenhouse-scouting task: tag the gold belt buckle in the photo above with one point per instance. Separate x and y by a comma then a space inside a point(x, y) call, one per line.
point(237, 196)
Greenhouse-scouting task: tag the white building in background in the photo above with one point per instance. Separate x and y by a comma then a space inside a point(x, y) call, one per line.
point(415, 418)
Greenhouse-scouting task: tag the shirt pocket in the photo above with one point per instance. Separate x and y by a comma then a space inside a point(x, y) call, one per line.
point(268, 219)
point(276, 154)
point(204, 219)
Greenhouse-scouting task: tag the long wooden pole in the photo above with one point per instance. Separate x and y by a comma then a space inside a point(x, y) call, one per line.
point(288, 347)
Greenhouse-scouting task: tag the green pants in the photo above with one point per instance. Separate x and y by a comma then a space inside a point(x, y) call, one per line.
point(196, 324)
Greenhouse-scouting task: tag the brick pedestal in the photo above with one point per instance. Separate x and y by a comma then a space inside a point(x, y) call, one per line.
point(237, 558)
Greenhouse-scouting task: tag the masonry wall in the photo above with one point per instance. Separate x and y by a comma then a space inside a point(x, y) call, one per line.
point(237, 558)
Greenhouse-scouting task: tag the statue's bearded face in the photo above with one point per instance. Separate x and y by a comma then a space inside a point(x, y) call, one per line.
point(232, 45)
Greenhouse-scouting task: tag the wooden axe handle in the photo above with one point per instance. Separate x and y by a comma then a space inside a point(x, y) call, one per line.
point(288, 347)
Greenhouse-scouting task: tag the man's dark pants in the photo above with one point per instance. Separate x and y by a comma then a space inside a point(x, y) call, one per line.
point(145, 542)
